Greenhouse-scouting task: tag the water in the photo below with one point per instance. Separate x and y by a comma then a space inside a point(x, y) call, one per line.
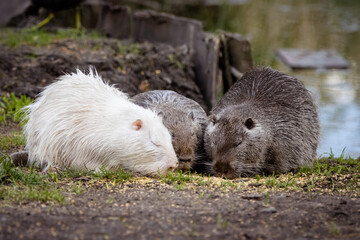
point(316, 24)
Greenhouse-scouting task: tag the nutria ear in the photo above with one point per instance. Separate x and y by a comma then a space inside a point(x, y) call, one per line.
point(212, 118)
point(160, 113)
point(249, 123)
point(137, 124)
point(191, 115)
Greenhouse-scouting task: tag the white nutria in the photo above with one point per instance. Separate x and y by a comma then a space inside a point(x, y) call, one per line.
point(83, 123)
point(185, 119)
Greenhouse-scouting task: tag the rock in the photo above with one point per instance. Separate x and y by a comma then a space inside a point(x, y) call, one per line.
point(303, 58)
point(268, 210)
point(253, 196)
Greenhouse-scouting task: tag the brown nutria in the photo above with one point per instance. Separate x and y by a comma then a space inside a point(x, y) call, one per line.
point(266, 122)
point(185, 119)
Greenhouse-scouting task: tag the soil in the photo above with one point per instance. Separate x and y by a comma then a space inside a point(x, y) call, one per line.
point(133, 68)
point(149, 209)
point(146, 208)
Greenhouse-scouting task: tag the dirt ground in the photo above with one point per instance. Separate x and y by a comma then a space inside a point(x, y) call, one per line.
point(149, 209)
point(146, 208)
point(133, 68)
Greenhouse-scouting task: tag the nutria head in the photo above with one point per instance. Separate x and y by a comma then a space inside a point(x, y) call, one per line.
point(185, 133)
point(237, 140)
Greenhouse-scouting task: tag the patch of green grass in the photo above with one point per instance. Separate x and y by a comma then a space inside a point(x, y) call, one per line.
point(133, 48)
point(179, 179)
point(19, 193)
point(327, 166)
point(329, 174)
point(203, 180)
point(78, 188)
point(334, 175)
point(201, 195)
point(17, 37)
point(108, 177)
point(19, 184)
point(284, 182)
point(15, 140)
point(29, 184)
point(10, 174)
point(117, 175)
point(333, 228)
point(72, 173)
point(11, 108)
point(173, 59)
point(222, 223)
point(228, 183)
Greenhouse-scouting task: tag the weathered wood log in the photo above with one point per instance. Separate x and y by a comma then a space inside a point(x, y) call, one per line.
point(235, 57)
point(165, 28)
point(90, 14)
point(239, 52)
point(115, 21)
point(12, 9)
point(207, 71)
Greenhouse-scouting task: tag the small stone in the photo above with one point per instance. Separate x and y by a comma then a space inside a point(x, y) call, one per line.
point(255, 184)
point(253, 197)
point(268, 210)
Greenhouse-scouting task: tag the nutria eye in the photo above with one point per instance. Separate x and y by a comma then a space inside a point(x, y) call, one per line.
point(237, 144)
point(249, 123)
point(155, 143)
point(213, 119)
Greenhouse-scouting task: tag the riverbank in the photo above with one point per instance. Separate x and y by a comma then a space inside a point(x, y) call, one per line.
point(320, 202)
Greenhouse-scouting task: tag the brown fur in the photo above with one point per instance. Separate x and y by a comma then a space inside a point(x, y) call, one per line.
point(185, 119)
point(266, 122)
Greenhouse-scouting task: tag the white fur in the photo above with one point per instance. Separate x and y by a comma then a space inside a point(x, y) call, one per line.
point(210, 128)
point(83, 123)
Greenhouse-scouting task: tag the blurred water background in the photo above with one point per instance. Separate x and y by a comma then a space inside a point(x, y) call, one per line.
point(309, 24)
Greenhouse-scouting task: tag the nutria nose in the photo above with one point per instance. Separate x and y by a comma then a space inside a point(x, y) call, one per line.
point(171, 169)
point(222, 168)
point(185, 159)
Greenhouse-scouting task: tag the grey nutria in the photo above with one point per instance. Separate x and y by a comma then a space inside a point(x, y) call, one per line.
point(266, 122)
point(81, 122)
point(185, 119)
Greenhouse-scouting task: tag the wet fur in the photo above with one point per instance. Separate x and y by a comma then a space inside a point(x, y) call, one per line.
point(185, 119)
point(282, 133)
point(81, 122)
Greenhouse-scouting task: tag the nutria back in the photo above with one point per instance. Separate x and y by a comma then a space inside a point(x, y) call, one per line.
point(185, 119)
point(266, 122)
